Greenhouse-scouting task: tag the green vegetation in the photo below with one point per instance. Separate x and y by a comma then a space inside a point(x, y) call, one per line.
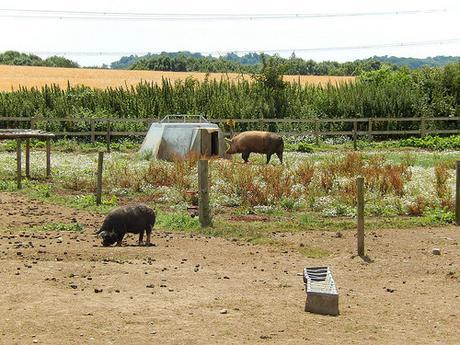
point(249, 63)
point(316, 184)
point(430, 92)
point(22, 59)
point(436, 61)
point(185, 61)
point(428, 142)
point(252, 62)
point(432, 143)
point(177, 221)
point(255, 202)
point(76, 227)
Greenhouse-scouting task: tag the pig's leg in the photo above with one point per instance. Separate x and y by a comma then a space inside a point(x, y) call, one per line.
point(269, 155)
point(280, 156)
point(245, 156)
point(121, 234)
point(149, 232)
point(141, 236)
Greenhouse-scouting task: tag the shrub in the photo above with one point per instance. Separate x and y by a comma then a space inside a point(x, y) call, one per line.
point(304, 173)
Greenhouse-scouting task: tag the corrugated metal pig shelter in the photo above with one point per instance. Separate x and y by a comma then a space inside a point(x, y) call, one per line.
point(179, 136)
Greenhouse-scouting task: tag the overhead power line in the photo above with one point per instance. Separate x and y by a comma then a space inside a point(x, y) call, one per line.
point(148, 16)
point(282, 50)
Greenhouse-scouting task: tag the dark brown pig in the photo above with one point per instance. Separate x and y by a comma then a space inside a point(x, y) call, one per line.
point(131, 218)
point(258, 142)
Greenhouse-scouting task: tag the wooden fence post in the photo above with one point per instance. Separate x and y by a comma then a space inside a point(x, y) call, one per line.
point(422, 127)
point(28, 157)
point(108, 136)
point(457, 195)
point(100, 160)
point(355, 130)
point(369, 130)
point(48, 157)
point(203, 201)
point(316, 132)
point(93, 135)
point(360, 214)
point(18, 163)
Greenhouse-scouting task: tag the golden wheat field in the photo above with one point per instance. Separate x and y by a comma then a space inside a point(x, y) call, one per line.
point(12, 77)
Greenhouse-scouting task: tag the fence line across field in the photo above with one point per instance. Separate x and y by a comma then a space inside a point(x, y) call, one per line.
point(357, 125)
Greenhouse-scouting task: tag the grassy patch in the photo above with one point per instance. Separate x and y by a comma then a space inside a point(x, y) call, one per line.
point(46, 192)
point(177, 222)
point(313, 252)
point(8, 185)
point(74, 227)
point(73, 145)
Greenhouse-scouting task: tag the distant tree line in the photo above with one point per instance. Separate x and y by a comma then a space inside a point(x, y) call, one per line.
point(414, 63)
point(252, 63)
point(249, 63)
point(21, 59)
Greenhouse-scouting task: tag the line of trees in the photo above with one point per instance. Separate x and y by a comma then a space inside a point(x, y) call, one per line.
point(21, 59)
point(249, 63)
point(231, 62)
point(252, 63)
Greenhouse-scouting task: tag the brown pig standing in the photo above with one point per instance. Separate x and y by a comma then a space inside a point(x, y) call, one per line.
point(258, 142)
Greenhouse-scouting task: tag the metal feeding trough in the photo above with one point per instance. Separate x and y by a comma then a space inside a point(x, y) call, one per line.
point(322, 295)
point(182, 136)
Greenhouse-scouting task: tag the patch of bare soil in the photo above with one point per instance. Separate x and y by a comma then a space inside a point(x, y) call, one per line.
point(17, 211)
point(64, 288)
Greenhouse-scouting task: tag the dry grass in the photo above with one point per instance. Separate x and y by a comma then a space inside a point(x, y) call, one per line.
point(11, 77)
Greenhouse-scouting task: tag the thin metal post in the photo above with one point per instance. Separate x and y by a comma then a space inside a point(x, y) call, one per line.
point(100, 160)
point(360, 214)
point(203, 201)
point(18, 163)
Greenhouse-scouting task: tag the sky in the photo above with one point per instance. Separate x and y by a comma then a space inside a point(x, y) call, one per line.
point(108, 40)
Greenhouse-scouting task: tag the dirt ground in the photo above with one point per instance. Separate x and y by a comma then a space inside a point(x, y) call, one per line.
point(196, 290)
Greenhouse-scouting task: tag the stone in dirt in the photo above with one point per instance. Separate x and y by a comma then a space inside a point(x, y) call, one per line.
point(436, 251)
point(223, 311)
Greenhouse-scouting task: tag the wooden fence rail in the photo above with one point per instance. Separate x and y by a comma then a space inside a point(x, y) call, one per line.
point(369, 127)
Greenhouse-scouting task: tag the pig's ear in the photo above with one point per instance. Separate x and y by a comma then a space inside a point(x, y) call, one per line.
point(102, 233)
